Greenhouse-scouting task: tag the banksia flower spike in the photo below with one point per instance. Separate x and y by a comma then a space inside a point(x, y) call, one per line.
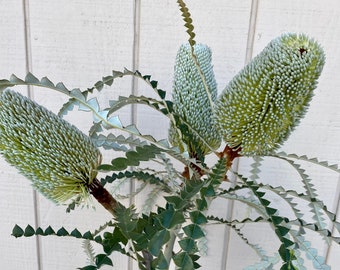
point(265, 101)
point(193, 101)
point(58, 158)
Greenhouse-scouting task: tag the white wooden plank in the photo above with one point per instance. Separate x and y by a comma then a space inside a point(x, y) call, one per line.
point(77, 43)
point(16, 197)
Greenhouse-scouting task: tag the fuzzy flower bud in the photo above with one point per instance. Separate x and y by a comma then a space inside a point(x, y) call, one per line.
point(57, 157)
point(265, 101)
point(192, 102)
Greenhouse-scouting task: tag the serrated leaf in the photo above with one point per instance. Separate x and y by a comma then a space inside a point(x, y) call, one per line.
point(170, 218)
point(157, 241)
point(115, 121)
point(160, 263)
point(132, 129)
point(108, 80)
point(271, 211)
point(183, 261)
point(93, 103)
point(161, 93)
point(49, 231)
point(99, 85)
point(39, 231)
point(178, 202)
point(103, 259)
point(61, 87)
point(88, 235)
point(198, 217)
point(31, 79)
point(62, 232)
point(15, 80)
point(76, 93)
point(17, 231)
point(46, 82)
point(76, 233)
point(188, 244)
point(281, 230)
point(194, 231)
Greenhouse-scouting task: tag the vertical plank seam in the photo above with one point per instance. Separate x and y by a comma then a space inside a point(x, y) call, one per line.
point(336, 207)
point(134, 83)
point(28, 56)
point(251, 30)
point(248, 56)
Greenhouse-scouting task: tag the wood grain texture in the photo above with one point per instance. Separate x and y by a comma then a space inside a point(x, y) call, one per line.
point(80, 42)
point(77, 42)
point(16, 195)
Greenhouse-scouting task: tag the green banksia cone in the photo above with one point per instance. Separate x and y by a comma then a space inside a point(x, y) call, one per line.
point(57, 157)
point(192, 102)
point(265, 101)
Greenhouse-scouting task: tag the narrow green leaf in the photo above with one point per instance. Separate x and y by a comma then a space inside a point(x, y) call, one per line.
point(119, 164)
point(105, 167)
point(89, 267)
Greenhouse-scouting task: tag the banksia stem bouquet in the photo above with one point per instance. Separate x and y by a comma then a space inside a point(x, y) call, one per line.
point(57, 157)
point(263, 103)
point(253, 115)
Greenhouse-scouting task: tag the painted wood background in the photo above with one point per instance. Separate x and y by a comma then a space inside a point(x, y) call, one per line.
point(79, 41)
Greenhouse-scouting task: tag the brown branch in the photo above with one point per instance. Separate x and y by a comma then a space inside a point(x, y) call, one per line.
point(230, 154)
point(103, 196)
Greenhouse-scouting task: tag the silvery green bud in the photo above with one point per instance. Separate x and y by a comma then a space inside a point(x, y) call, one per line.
point(265, 101)
point(191, 100)
point(57, 157)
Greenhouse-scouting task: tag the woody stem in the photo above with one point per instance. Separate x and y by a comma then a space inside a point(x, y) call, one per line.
point(103, 196)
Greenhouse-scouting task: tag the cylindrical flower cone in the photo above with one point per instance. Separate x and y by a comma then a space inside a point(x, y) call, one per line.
point(264, 102)
point(193, 102)
point(57, 157)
